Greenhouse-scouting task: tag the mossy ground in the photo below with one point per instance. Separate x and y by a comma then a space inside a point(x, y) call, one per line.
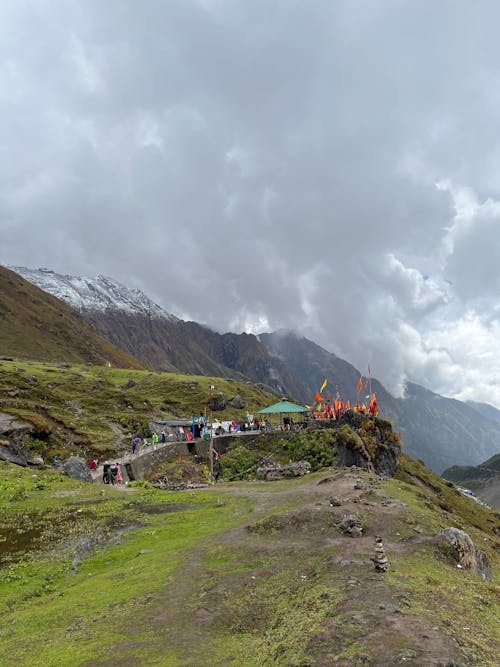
point(246, 573)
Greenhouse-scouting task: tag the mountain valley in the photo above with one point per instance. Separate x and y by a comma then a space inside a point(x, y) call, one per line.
point(440, 431)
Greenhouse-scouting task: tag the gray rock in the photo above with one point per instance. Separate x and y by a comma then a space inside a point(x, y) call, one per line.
point(6, 454)
point(130, 384)
point(217, 402)
point(236, 402)
point(276, 471)
point(76, 468)
point(465, 553)
point(351, 525)
point(36, 461)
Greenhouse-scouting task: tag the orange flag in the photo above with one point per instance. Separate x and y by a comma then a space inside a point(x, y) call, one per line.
point(319, 397)
point(360, 384)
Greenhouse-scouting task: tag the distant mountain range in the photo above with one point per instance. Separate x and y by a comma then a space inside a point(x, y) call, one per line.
point(483, 479)
point(440, 431)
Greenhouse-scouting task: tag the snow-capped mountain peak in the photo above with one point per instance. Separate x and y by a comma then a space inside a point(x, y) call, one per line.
point(93, 294)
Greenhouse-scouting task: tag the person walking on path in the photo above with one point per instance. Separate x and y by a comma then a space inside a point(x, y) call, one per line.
point(154, 438)
point(135, 443)
point(163, 437)
point(119, 474)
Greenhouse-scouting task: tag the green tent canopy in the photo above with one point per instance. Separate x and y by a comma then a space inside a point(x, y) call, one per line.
point(283, 407)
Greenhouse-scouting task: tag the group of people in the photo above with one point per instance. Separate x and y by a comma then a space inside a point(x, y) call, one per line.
point(112, 473)
point(155, 439)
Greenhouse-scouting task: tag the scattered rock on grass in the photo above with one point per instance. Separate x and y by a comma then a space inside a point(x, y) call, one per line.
point(351, 525)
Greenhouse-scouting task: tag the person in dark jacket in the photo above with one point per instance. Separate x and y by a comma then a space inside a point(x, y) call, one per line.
point(106, 472)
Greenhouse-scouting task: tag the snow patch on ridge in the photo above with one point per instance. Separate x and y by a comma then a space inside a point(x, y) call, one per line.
point(93, 294)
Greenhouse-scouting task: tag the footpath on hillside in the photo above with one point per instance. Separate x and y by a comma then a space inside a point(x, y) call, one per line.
point(144, 450)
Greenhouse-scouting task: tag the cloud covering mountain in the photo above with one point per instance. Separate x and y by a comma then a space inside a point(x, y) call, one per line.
point(326, 167)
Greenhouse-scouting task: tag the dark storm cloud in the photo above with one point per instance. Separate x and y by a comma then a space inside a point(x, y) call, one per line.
point(325, 166)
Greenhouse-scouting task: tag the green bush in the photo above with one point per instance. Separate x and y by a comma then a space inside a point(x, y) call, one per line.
point(346, 436)
point(35, 444)
point(239, 463)
point(318, 448)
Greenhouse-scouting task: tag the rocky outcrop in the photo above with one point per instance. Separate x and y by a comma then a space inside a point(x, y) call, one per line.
point(276, 471)
point(465, 553)
point(367, 442)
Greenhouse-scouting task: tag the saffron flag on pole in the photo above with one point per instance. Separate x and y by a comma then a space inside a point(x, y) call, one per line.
point(319, 398)
point(323, 385)
point(360, 384)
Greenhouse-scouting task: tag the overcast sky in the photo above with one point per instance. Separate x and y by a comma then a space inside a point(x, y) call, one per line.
point(331, 167)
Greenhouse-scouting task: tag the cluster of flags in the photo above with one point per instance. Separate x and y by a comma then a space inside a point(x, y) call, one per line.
point(328, 408)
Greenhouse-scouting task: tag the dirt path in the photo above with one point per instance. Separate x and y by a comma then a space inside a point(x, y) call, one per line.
point(273, 554)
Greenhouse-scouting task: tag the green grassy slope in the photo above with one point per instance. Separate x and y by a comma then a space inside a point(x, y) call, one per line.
point(250, 574)
point(81, 409)
point(36, 325)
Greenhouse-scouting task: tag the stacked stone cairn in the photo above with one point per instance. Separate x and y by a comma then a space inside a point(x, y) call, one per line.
point(380, 559)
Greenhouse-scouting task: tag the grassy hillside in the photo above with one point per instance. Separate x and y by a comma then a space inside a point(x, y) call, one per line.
point(36, 325)
point(95, 409)
point(249, 574)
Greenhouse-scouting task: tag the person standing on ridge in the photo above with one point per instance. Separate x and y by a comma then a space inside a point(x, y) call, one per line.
point(154, 438)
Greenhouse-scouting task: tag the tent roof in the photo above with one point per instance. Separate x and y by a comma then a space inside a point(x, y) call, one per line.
point(282, 407)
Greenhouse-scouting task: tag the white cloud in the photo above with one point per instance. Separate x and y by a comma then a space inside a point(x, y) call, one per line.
point(326, 167)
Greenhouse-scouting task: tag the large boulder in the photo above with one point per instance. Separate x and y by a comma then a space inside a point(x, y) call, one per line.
point(236, 402)
point(76, 468)
point(9, 456)
point(465, 553)
point(36, 461)
point(217, 402)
